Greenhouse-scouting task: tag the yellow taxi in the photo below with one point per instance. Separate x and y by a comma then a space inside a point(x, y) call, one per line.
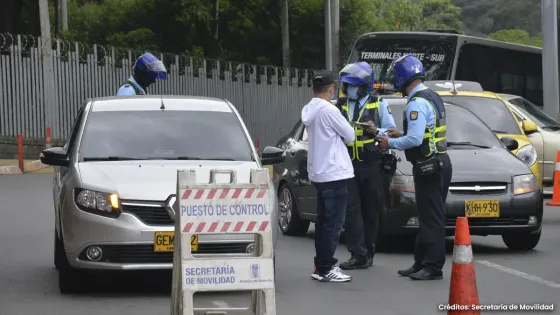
point(493, 110)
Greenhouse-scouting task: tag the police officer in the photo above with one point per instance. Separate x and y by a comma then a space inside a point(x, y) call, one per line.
point(146, 70)
point(365, 190)
point(425, 145)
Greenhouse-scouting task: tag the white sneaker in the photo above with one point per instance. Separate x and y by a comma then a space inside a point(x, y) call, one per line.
point(334, 275)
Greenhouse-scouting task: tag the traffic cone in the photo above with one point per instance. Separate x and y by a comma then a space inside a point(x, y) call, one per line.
point(556, 188)
point(462, 292)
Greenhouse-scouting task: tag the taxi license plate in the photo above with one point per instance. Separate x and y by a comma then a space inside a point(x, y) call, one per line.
point(165, 242)
point(482, 208)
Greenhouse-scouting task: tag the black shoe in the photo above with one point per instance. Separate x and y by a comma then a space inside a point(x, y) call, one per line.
point(426, 275)
point(409, 271)
point(370, 261)
point(354, 263)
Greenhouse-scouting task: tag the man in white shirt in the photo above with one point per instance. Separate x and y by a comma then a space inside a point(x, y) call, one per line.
point(329, 168)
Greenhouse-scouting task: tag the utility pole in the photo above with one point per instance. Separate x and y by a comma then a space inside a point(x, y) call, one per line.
point(284, 19)
point(328, 36)
point(335, 34)
point(551, 99)
point(47, 64)
point(63, 14)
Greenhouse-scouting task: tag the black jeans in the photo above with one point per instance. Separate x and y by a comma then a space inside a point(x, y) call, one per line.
point(331, 207)
point(431, 193)
point(365, 198)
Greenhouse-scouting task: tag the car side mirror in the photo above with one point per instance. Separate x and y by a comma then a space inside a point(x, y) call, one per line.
point(272, 155)
point(510, 143)
point(54, 157)
point(528, 126)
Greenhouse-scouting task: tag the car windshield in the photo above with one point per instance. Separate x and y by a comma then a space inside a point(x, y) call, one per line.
point(492, 111)
point(205, 135)
point(463, 127)
point(534, 113)
point(435, 53)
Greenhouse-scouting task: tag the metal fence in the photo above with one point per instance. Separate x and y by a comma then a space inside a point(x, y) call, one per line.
point(43, 82)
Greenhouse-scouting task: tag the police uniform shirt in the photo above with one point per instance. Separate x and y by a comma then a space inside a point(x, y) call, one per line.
point(387, 120)
point(127, 90)
point(419, 114)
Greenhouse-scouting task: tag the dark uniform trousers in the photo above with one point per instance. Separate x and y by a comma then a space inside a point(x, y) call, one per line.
point(361, 224)
point(431, 193)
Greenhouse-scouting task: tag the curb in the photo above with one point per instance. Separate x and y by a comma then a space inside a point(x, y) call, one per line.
point(28, 167)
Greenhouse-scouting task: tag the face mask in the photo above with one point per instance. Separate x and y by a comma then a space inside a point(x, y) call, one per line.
point(353, 92)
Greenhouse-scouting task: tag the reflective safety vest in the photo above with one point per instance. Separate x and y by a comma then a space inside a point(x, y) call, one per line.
point(432, 136)
point(364, 149)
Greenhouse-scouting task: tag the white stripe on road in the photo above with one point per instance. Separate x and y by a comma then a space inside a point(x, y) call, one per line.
point(521, 274)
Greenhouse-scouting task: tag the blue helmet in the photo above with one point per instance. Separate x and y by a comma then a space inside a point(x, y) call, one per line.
point(359, 73)
point(405, 70)
point(150, 65)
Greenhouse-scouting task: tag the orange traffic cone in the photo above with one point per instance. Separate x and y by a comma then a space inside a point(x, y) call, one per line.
point(462, 292)
point(556, 188)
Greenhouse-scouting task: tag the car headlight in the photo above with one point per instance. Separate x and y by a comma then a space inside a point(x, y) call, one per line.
point(98, 202)
point(523, 184)
point(402, 183)
point(527, 154)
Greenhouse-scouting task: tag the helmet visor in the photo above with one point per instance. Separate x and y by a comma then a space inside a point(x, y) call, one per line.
point(356, 71)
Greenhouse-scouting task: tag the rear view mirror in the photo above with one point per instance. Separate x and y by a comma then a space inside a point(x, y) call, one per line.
point(510, 143)
point(272, 155)
point(54, 157)
point(528, 126)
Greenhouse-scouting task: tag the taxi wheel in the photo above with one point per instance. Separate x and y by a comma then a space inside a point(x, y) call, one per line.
point(288, 217)
point(70, 279)
point(522, 241)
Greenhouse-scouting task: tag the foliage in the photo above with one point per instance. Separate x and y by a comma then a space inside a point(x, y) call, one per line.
point(246, 30)
point(516, 36)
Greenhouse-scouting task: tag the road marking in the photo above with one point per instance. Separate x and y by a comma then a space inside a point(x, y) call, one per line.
point(521, 274)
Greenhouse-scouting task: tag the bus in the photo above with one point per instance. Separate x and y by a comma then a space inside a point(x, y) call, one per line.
point(499, 67)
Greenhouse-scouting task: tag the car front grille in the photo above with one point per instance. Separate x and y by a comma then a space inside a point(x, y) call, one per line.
point(481, 222)
point(149, 214)
point(138, 254)
point(478, 188)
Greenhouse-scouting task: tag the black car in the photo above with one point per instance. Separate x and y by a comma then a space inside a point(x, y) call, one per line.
point(493, 188)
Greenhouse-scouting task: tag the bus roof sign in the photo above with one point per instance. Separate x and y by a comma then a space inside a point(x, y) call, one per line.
point(445, 85)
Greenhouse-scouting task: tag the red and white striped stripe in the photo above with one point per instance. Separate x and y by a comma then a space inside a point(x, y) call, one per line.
point(224, 193)
point(225, 227)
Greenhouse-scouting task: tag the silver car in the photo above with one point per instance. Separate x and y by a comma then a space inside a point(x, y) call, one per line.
point(114, 184)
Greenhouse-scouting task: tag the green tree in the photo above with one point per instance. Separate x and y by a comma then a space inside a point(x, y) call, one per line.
point(516, 36)
point(441, 14)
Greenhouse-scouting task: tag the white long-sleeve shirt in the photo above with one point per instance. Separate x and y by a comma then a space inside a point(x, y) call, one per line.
point(328, 132)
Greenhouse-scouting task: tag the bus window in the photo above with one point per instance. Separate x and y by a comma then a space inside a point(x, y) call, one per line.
point(435, 52)
point(472, 67)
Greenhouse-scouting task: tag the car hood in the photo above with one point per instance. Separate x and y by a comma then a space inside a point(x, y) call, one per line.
point(477, 165)
point(153, 180)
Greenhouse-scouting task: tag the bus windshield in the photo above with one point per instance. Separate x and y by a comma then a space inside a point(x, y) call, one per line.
point(435, 52)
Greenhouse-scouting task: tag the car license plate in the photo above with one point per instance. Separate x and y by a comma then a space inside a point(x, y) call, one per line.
point(482, 208)
point(165, 242)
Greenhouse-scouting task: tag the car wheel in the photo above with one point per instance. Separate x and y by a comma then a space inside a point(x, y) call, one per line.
point(288, 217)
point(522, 241)
point(70, 279)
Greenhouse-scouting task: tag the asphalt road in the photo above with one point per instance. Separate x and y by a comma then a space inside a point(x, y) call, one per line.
point(28, 279)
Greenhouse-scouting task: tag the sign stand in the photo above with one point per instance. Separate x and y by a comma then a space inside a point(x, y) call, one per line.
point(223, 209)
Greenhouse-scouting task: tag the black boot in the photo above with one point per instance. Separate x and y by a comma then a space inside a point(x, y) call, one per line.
point(407, 272)
point(354, 262)
point(425, 274)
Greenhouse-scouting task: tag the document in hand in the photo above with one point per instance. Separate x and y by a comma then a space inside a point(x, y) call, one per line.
point(359, 125)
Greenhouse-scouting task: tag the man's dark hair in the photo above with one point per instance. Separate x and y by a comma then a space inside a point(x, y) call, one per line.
point(321, 89)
